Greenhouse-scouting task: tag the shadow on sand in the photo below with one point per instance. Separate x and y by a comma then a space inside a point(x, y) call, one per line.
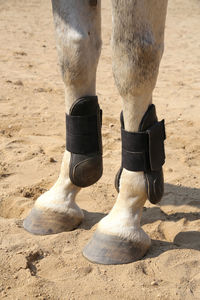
point(183, 240)
point(91, 218)
point(176, 196)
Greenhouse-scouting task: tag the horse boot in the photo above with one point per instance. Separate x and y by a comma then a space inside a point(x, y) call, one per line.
point(144, 151)
point(83, 141)
point(83, 130)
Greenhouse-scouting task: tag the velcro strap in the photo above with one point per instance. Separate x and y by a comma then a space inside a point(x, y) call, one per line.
point(144, 151)
point(157, 136)
point(82, 133)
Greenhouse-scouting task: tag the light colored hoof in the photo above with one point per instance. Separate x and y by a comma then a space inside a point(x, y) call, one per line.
point(46, 222)
point(113, 250)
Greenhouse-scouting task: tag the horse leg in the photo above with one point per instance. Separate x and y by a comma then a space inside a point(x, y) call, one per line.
point(138, 42)
point(78, 37)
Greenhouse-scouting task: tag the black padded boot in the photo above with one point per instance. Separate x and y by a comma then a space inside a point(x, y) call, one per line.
point(144, 151)
point(83, 136)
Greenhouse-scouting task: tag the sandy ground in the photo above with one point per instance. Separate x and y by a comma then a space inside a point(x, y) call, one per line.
point(32, 132)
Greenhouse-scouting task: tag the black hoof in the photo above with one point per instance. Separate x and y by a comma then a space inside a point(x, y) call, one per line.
point(47, 222)
point(113, 250)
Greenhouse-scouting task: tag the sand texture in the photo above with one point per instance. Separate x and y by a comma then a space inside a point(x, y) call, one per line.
point(32, 142)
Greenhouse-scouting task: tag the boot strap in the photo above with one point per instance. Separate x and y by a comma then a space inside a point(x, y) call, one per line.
point(82, 133)
point(144, 151)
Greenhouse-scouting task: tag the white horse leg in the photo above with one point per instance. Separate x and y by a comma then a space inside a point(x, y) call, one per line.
point(138, 41)
point(77, 24)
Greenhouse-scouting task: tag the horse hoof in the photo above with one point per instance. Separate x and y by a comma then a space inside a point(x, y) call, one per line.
point(113, 250)
point(46, 222)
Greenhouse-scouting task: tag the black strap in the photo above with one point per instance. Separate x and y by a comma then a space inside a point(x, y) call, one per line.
point(156, 135)
point(144, 151)
point(82, 133)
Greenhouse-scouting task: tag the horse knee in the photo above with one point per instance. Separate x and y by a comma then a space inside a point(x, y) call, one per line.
point(78, 58)
point(78, 37)
point(72, 60)
point(136, 63)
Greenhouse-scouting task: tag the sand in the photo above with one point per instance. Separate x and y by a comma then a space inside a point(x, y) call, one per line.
point(32, 141)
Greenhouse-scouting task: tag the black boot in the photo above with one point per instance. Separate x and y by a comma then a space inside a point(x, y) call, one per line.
point(83, 136)
point(144, 151)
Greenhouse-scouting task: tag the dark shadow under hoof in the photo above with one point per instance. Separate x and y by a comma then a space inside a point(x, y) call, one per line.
point(112, 250)
point(47, 222)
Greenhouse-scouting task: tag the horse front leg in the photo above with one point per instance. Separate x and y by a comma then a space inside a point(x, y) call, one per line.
point(138, 42)
point(78, 37)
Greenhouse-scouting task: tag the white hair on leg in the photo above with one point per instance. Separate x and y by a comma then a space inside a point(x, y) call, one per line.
point(78, 37)
point(138, 42)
